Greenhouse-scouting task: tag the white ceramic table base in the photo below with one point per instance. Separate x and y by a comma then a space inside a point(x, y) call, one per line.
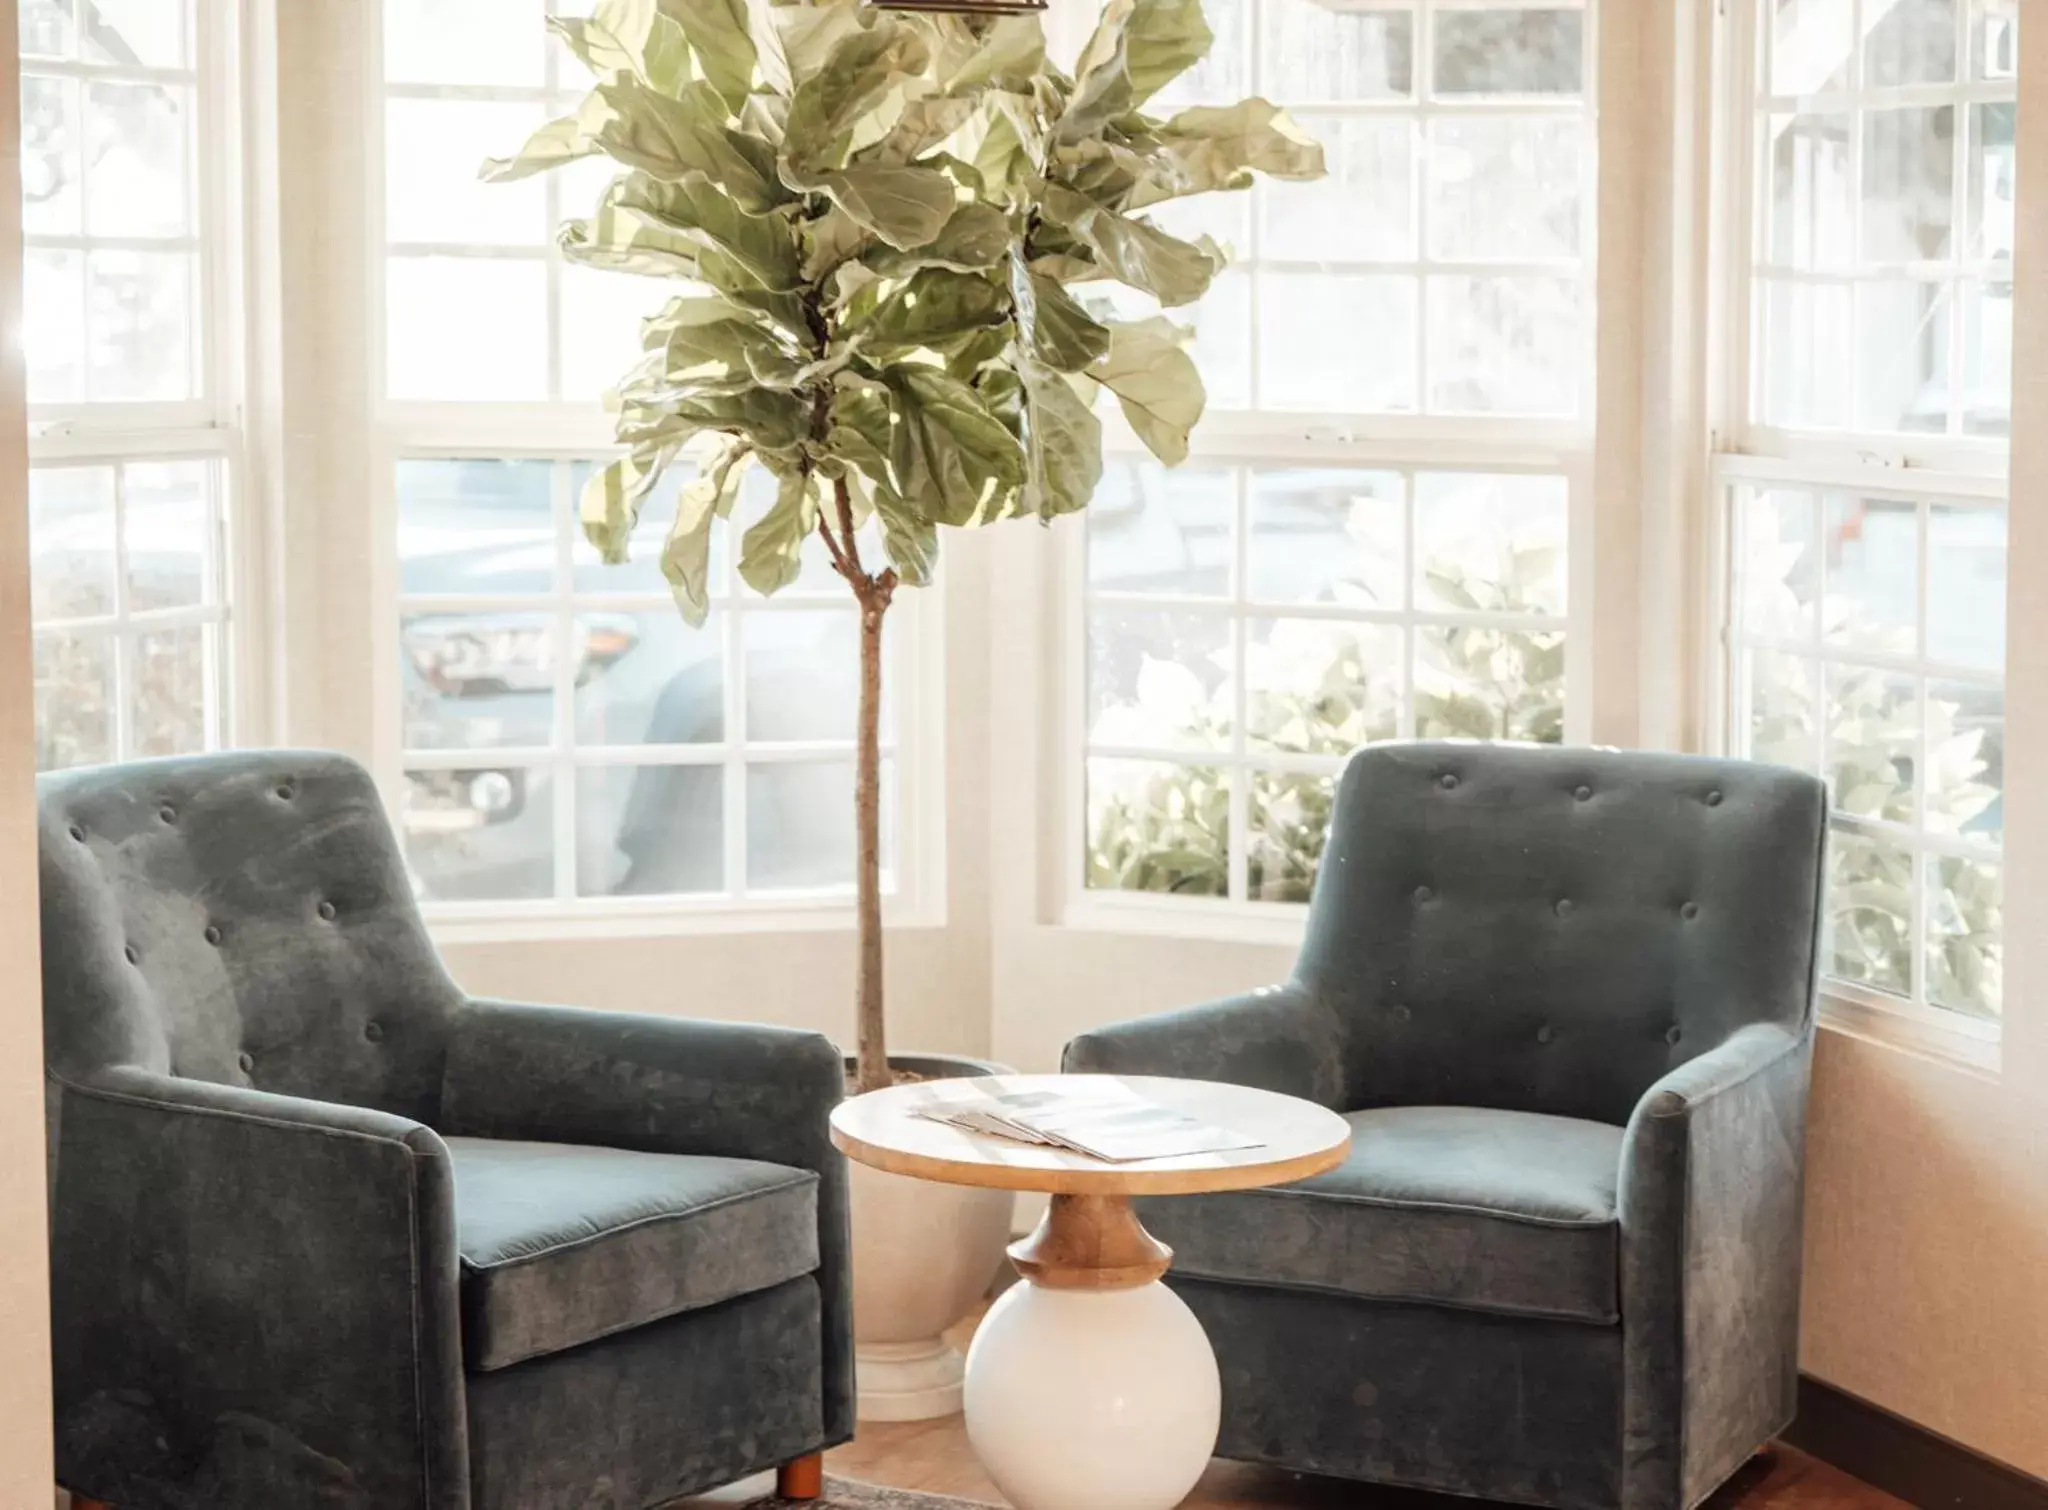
point(1092, 1399)
point(1091, 1386)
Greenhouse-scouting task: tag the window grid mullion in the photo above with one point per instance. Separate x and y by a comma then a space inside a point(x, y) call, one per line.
point(1409, 706)
point(1922, 772)
point(1422, 146)
point(562, 764)
point(124, 665)
point(1239, 826)
point(733, 794)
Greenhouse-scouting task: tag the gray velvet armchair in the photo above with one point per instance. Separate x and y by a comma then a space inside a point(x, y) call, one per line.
point(328, 1235)
point(1565, 998)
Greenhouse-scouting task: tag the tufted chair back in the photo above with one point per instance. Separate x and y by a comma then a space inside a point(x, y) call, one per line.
point(1552, 930)
point(241, 918)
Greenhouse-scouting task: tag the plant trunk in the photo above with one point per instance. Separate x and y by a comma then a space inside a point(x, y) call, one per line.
point(873, 1071)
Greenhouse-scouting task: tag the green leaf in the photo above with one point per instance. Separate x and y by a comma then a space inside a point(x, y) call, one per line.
point(1206, 149)
point(860, 426)
point(931, 309)
point(699, 353)
point(948, 452)
point(612, 39)
point(763, 247)
point(1135, 251)
point(719, 35)
point(1009, 149)
point(771, 553)
point(1102, 78)
point(1157, 384)
point(686, 554)
point(857, 75)
point(611, 501)
point(1163, 39)
point(1009, 55)
point(831, 239)
point(906, 207)
point(910, 540)
point(667, 58)
point(974, 236)
point(559, 141)
point(672, 138)
point(922, 125)
point(1058, 331)
point(1062, 444)
point(625, 241)
point(808, 33)
point(776, 423)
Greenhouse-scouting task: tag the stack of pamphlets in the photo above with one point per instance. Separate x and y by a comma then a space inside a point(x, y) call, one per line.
point(1098, 1120)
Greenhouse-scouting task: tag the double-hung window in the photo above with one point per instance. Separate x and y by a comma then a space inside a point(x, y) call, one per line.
point(1371, 538)
point(1861, 465)
point(128, 321)
point(563, 740)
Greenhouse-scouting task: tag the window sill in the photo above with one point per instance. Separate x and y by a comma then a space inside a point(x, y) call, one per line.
point(1956, 1042)
point(1153, 914)
point(554, 921)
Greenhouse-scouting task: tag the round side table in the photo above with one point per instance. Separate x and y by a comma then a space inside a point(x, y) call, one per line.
point(1092, 1386)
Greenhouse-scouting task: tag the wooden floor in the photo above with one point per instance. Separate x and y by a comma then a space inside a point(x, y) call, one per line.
point(934, 1456)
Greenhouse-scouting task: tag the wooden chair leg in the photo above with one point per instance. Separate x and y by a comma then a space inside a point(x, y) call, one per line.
point(802, 1478)
point(78, 1503)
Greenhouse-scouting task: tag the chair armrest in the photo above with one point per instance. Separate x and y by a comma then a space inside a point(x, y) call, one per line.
point(668, 1085)
point(1275, 1038)
point(252, 1288)
point(1711, 1198)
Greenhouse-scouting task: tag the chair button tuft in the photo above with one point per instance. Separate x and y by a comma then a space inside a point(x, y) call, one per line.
point(1714, 798)
point(245, 1062)
point(213, 933)
point(1448, 780)
point(133, 954)
point(167, 813)
point(1689, 911)
point(374, 1031)
point(1545, 1033)
point(1424, 894)
point(78, 832)
point(1400, 1012)
point(1584, 794)
point(1673, 1033)
point(1564, 907)
point(285, 791)
point(326, 911)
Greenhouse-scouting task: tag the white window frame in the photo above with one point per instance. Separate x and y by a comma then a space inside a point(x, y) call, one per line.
point(1408, 443)
point(1925, 470)
point(209, 427)
point(914, 894)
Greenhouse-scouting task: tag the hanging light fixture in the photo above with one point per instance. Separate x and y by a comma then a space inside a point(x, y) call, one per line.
point(964, 7)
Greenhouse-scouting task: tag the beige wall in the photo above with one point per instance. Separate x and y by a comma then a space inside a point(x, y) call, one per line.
point(25, 1467)
point(1927, 1245)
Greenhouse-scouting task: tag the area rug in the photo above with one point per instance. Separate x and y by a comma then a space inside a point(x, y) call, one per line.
point(845, 1494)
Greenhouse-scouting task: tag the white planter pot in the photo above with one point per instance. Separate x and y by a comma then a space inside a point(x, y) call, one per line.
point(924, 1256)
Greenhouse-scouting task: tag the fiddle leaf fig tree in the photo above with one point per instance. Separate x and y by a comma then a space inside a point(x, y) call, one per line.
point(885, 227)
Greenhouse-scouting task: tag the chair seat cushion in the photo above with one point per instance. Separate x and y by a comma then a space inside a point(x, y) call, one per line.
point(1453, 1205)
point(561, 1244)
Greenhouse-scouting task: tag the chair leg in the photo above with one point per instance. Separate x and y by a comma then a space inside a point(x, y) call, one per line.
point(802, 1478)
point(78, 1503)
